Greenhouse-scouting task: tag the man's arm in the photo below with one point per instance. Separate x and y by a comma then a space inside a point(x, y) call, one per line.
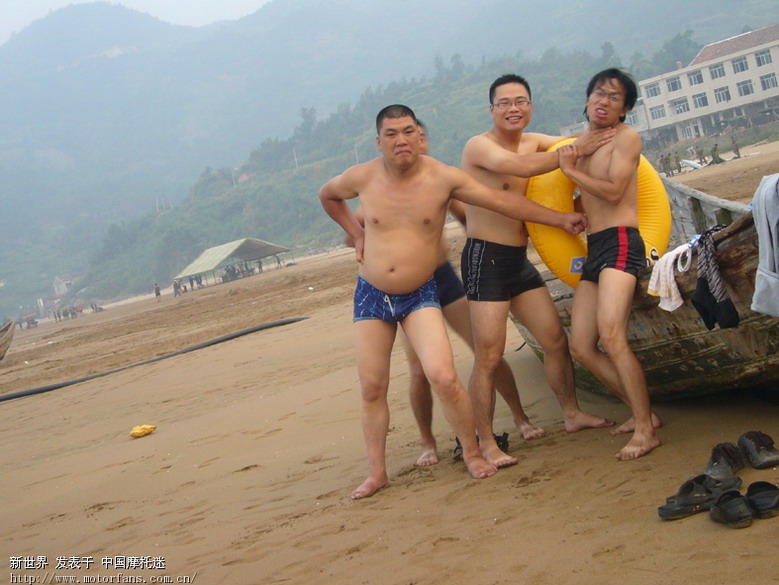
point(482, 152)
point(333, 196)
point(511, 204)
point(622, 166)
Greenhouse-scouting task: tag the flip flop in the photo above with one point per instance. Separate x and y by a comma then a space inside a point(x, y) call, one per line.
point(705, 482)
point(763, 499)
point(503, 442)
point(694, 496)
point(457, 452)
point(758, 449)
point(731, 509)
point(725, 461)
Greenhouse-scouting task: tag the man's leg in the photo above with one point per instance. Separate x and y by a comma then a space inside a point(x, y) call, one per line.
point(459, 318)
point(615, 296)
point(374, 340)
point(488, 324)
point(421, 399)
point(536, 311)
point(585, 350)
point(426, 332)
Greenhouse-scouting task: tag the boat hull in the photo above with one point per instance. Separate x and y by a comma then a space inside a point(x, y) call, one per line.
point(680, 356)
point(6, 337)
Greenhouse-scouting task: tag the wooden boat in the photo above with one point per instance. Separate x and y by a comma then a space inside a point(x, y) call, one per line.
point(6, 336)
point(680, 356)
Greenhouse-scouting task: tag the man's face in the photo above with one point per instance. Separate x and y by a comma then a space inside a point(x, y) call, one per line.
point(606, 104)
point(511, 108)
point(399, 140)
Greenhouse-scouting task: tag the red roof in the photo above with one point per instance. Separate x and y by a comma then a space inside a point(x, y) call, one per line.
point(736, 44)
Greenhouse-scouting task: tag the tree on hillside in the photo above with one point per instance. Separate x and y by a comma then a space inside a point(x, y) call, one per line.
point(680, 49)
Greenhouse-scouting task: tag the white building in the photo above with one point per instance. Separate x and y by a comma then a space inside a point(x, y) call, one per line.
point(730, 84)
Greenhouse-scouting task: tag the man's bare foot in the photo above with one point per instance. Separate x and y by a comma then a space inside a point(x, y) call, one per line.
point(630, 425)
point(530, 431)
point(492, 454)
point(479, 468)
point(429, 456)
point(638, 446)
point(583, 420)
point(369, 487)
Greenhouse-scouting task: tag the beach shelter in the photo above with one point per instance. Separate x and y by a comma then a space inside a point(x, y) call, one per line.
point(230, 254)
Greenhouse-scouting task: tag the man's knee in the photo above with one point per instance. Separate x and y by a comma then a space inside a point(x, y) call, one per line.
point(582, 350)
point(373, 389)
point(555, 343)
point(615, 343)
point(445, 383)
point(488, 357)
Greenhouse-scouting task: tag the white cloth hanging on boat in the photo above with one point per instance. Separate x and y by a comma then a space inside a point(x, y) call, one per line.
point(662, 282)
point(765, 211)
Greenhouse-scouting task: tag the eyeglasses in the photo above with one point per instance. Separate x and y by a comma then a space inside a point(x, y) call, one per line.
point(614, 98)
point(506, 104)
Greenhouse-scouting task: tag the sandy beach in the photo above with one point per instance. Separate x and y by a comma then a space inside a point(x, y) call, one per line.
point(246, 479)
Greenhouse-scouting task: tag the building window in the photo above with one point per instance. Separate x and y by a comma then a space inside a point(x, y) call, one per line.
point(695, 77)
point(768, 81)
point(673, 84)
point(653, 90)
point(657, 112)
point(700, 100)
point(680, 106)
point(740, 65)
point(763, 57)
point(717, 71)
point(632, 118)
point(722, 94)
point(745, 88)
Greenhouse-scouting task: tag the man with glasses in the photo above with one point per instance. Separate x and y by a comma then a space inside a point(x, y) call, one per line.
point(497, 275)
point(404, 197)
point(607, 181)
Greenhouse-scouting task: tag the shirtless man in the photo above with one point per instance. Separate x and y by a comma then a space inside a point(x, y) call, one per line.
point(454, 306)
point(404, 198)
point(497, 275)
point(602, 302)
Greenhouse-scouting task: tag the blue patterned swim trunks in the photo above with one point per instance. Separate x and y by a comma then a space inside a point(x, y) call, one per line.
point(371, 303)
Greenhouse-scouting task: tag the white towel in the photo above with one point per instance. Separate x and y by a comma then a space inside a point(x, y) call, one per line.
point(662, 282)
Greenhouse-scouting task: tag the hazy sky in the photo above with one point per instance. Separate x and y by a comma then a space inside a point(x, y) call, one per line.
point(17, 14)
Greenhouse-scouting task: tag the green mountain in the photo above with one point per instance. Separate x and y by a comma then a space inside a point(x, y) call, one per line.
point(108, 113)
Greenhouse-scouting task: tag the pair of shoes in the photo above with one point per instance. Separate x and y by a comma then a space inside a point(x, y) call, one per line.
point(731, 508)
point(760, 501)
point(763, 499)
point(726, 459)
point(697, 494)
point(758, 449)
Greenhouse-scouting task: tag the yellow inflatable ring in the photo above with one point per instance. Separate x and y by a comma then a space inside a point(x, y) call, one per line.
point(563, 253)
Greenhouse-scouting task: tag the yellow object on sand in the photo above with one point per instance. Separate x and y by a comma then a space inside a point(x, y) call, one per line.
point(142, 430)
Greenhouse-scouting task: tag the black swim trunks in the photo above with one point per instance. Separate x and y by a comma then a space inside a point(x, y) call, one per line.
point(618, 247)
point(496, 272)
point(450, 288)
